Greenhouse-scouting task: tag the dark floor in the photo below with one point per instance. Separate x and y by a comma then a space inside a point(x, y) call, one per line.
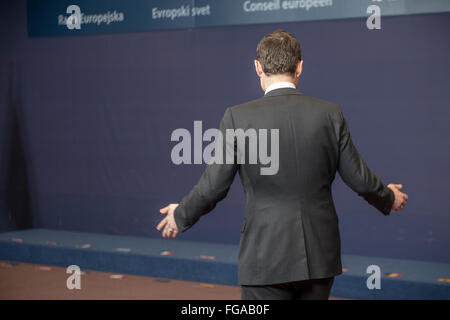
point(31, 281)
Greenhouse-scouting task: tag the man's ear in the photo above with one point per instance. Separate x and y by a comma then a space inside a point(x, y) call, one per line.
point(258, 68)
point(299, 69)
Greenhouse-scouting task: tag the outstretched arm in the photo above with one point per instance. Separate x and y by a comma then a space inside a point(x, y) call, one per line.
point(212, 187)
point(358, 176)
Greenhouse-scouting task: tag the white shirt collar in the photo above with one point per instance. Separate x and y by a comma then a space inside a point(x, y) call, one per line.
point(279, 85)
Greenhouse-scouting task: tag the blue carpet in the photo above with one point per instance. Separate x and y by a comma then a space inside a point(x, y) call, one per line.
point(213, 263)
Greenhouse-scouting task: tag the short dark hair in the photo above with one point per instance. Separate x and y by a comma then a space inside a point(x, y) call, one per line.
point(279, 53)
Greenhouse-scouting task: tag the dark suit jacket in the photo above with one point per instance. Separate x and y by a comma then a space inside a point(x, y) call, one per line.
point(290, 226)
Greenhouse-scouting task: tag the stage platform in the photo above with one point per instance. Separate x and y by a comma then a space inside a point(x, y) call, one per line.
point(210, 262)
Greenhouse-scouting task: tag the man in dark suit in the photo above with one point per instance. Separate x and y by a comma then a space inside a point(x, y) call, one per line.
point(290, 244)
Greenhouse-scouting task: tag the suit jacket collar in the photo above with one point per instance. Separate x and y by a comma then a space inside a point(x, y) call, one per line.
point(282, 92)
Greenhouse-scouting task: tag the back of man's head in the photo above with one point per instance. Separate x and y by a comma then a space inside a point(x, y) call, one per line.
point(279, 53)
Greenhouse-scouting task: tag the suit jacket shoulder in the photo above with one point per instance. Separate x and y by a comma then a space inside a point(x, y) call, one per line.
point(279, 95)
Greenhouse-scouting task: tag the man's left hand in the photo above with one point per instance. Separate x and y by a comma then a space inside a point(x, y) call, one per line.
point(168, 223)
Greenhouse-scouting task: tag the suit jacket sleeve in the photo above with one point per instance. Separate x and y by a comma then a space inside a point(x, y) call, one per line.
point(357, 175)
point(212, 187)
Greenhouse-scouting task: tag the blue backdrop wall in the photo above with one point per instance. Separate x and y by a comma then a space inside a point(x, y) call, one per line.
point(85, 124)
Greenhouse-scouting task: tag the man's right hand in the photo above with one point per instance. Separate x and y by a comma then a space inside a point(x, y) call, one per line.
point(400, 197)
